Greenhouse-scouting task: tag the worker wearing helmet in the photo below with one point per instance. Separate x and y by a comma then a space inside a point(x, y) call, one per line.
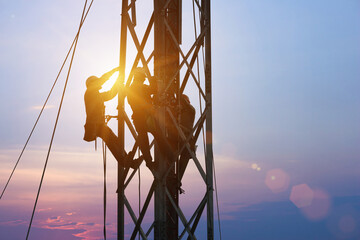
point(95, 116)
point(139, 96)
point(140, 100)
point(187, 117)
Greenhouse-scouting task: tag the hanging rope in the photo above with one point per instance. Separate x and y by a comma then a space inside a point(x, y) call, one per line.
point(44, 105)
point(198, 73)
point(139, 188)
point(202, 129)
point(217, 200)
point(104, 161)
point(57, 119)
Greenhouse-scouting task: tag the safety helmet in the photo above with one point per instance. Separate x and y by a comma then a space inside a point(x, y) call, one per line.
point(139, 73)
point(185, 98)
point(93, 81)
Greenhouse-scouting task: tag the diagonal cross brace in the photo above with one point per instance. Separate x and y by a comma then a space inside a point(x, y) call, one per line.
point(137, 44)
point(185, 59)
point(132, 214)
point(131, 5)
point(198, 212)
point(180, 214)
point(143, 211)
point(140, 50)
point(150, 229)
point(195, 44)
point(187, 145)
point(197, 127)
point(129, 124)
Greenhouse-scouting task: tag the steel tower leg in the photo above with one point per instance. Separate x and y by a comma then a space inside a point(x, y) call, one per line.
point(166, 63)
point(160, 160)
point(121, 134)
point(209, 149)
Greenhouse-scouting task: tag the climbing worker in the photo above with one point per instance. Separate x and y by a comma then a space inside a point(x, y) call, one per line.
point(140, 99)
point(95, 117)
point(139, 96)
point(187, 117)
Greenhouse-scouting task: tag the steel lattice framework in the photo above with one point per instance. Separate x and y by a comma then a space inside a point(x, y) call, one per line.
point(173, 71)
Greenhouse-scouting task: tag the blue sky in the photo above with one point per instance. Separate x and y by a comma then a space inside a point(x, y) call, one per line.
point(286, 107)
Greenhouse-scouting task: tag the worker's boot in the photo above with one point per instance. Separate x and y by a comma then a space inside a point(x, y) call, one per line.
point(135, 164)
point(150, 164)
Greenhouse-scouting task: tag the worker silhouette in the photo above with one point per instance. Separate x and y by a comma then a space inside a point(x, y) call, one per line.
point(95, 117)
point(139, 96)
point(187, 117)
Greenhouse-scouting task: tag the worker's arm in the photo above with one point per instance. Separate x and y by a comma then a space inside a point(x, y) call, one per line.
point(106, 96)
point(107, 75)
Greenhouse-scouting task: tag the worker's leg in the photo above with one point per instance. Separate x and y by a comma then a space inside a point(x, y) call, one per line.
point(161, 140)
point(143, 139)
point(142, 127)
point(185, 155)
point(112, 141)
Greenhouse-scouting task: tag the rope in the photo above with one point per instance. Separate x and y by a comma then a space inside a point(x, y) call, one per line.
point(217, 200)
point(202, 129)
point(44, 105)
point(198, 72)
point(56, 122)
point(104, 160)
point(139, 189)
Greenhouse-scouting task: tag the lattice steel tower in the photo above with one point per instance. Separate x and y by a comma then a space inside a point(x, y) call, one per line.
point(173, 70)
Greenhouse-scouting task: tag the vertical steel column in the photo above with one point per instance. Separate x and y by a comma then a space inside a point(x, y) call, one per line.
point(121, 134)
point(160, 160)
point(209, 150)
point(173, 17)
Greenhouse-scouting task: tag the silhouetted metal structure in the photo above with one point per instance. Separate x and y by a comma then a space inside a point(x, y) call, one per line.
point(173, 70)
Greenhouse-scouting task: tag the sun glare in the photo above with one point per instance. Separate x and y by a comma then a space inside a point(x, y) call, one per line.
point(109, 83)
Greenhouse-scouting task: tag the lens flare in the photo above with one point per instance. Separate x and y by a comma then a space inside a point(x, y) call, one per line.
point(301, 195)
point(277, 180)
point(319, 207)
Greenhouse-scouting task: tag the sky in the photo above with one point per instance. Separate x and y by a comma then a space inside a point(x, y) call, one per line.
point(286, 114)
